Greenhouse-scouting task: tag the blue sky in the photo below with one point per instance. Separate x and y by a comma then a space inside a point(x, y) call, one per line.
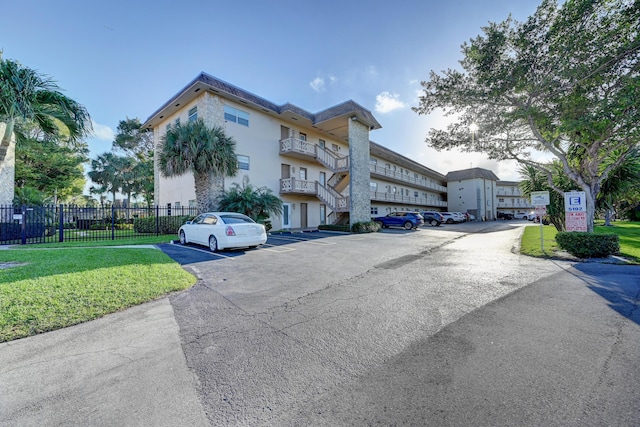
point(126, 58)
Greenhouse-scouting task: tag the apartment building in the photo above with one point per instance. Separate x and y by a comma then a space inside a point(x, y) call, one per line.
point(510, 199)
point(473, 190)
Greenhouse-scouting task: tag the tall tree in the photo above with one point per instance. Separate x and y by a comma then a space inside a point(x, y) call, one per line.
point(26, 95)
point(52, 168)
point(565, 81)
point(106, 171)
point(208, 153)
point(622, 181)
point(137, 143)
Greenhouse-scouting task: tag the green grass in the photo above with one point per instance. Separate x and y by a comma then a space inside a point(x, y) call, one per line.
point(530, 242)
point(144, 240)
point(629, 233)
point(62, 287)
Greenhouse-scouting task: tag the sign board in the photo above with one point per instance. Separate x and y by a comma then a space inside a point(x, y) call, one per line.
point(575, 211)
point(541, 211)
point(574, 201)
point(539, 198)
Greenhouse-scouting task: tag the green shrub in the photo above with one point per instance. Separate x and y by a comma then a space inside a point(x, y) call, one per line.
point(334, 227)
point(166, 224)
point(588, 245)
point(365, 227)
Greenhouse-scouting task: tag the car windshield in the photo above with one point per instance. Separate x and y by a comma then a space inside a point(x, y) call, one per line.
point(236, 219)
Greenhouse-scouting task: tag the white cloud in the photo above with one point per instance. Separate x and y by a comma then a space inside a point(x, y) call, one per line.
point(387, 102)
point(371, 70)
point(102, 132)
point(317, 84)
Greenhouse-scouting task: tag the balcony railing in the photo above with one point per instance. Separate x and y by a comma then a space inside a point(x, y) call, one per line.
point(407, 200)
point(297, 186)
point(397, 176)
point(295, 145)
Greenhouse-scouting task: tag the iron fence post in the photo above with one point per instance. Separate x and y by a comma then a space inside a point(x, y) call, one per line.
point(157, 220)
point(113, 222)
point(61, 232)
point(23, 228)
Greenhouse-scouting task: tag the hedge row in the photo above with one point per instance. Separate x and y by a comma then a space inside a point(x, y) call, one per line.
point(166, 224)
point(588, 245)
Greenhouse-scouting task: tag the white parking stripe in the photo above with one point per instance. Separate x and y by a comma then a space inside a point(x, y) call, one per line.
point(207, 252)
point(299, 239)
point(275, 248)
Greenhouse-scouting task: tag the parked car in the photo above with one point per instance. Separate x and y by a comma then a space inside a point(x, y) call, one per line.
point(461, 217)
point(504, 215)
point(528, 216)
point(223, 230)
point(408, 220)
point(432, 217)
point(449, 217)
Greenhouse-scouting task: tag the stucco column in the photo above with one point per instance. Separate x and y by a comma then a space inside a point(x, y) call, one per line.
point(7, 171)
point(359, 174)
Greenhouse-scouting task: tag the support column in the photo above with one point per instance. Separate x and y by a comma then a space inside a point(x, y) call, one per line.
point(7, 171)
point(359, 174)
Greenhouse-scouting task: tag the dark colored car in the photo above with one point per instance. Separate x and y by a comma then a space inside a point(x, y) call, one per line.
point(505, 215)
point(432, 217)
point(407, 220)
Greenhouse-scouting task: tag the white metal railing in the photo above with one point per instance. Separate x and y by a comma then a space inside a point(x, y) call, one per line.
point(335, 201)
point(409, 200)
point(383, 171)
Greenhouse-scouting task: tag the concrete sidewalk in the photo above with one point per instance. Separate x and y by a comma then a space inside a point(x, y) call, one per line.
point(126, 368)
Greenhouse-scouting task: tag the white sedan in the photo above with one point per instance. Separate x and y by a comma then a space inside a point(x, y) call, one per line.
point(223, 230)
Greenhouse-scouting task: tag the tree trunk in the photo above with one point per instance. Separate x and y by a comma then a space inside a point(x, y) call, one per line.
point(216, 189)
point(203, 192)
point(6, 139)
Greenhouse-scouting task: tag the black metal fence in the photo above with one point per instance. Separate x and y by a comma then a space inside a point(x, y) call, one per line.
point(60, 223)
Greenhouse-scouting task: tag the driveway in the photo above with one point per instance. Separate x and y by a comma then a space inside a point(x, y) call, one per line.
point(440, 326)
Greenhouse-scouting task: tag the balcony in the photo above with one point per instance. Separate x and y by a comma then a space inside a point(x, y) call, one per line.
point(293, 147)
point(406, 200)
point(298, 186)
point(395, 176)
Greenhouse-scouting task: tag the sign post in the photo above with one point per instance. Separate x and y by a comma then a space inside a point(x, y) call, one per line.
point(575, 211)
point(540, 200)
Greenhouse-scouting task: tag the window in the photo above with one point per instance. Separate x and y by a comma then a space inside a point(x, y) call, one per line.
point(321, 143)
point(176, 205)
point(373, 186)
point(374, 210)
point(236, 116)
point(193, 114)
point(168, 128)
point(177, 122)
point(243, 162)
point(415, 194)
point(335, 147)
point(373, 161)
point(303, 136)
point(192, 203)
point(501, 200)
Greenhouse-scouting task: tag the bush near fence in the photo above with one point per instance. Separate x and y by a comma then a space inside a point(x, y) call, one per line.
point(166, 224)
point(588, 245)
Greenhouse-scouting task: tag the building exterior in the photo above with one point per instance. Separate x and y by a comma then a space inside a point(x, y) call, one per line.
point(322, 165)
point(510, 199)
point(474, 191)
point(318, 163)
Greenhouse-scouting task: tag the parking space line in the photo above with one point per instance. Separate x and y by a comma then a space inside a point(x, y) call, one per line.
point(312, 241)
point(277, 249)
point(206, 252)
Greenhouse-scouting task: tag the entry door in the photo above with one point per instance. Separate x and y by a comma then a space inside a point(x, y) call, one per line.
point(284, 132)
point(303, 215)
point(285, 171)
point(323, 179)
point(303, 174)
point(286, 215)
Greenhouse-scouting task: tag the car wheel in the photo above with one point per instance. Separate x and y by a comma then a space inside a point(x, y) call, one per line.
point(380, 224)
point(183, 238)
point(213, 244)
point(408, 225)
point(434, 223)
point(449, 221)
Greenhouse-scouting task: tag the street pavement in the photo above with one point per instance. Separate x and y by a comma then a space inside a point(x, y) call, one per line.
point(443, 326)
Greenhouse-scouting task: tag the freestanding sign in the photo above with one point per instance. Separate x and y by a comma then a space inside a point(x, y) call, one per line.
point(575, 211)
point(539, 198)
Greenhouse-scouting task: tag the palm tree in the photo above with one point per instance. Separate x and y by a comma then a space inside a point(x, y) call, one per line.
point(28, 96)
point(209, 153)
point(106, 172)
point(621, 180)
point(257, 203)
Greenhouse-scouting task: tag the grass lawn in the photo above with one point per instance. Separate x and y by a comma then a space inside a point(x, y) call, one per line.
point(629, 233)
point(144, 240)
point(48, 289)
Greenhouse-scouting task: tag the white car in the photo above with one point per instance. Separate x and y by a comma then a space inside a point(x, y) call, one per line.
point(223, 230)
